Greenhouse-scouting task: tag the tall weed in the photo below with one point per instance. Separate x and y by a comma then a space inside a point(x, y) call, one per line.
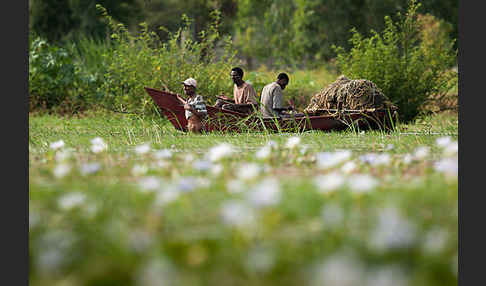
point(52, 74)
point(407, 67)
point(142, 59)
point(90, 60)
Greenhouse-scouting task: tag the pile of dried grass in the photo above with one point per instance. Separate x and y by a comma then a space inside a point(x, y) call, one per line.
point(349, 94)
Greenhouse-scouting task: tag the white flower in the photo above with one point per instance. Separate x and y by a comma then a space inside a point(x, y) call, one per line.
point(375, 159)
point(63, 155)
point(98, 145)
point(443, 141)
point(329, 182)
point(448, 166)
point(362, 183)
point(166, 196)
point(139, 170)
point(304, 149)
point(387, 276)
point(149, 183)
point(53, 246)
point(272, 144)
point(163, 164)
point(248, 171)
point(382, 159)
point(140, 240)
point(330, 159)
point(238, 214)
point(188, 158)
point(202, 165)
point(407, 158)
point(56, 145)
point(163, 154)
point(341, 269)
point(49, 260)
point(153, 272)
point(292, 142)
point(90, 168)
point(186, 184)
point(61, 170)
point(203, 182)
point(260, 260)
point(349, 167)
point(98, 148)
point(389, 147)
point(435, 240)
point(264, 152)
point(421, 152)
point(451, 149)
point(220, 152)
point(97, 141)
point(332, 214)
point(142, 148)
point(266, 193)
point(392, 231)
point(235, 186)
point(71, 200)
point(90, 210)
point(216, 169)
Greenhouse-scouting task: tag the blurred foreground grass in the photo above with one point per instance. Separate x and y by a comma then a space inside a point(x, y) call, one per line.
point(120, 199)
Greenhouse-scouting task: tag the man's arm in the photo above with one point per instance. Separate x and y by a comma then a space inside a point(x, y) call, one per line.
point(250, 95)
point(278, 102)
point(199, 108)
point(277, 99)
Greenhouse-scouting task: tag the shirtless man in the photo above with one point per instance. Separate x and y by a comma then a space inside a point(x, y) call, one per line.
point(244, 95)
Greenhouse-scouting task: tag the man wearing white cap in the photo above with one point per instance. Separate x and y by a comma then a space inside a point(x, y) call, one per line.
point(194, 106)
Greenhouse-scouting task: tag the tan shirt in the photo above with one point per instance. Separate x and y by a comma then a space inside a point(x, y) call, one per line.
point(245, 94)
point(272, 97)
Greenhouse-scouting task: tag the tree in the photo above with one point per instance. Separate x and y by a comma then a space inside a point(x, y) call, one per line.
point(59, 20)
point(51, 19)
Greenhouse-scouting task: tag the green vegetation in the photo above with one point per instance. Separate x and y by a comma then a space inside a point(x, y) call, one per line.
point(147, 203)
point(411, 61)
point(408, 67)
point(142, 60)
point(265, 32)
point(126, 199)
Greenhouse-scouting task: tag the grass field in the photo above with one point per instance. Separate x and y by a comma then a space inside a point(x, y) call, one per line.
point(118, 199)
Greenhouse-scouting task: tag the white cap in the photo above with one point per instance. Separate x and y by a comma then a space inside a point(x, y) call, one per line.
point(190, 81)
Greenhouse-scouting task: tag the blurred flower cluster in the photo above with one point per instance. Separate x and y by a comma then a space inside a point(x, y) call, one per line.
point(280, 214)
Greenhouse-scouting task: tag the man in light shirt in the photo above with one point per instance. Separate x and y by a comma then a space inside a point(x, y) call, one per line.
point(194, 106)
point(272, 97)
point(244, 95)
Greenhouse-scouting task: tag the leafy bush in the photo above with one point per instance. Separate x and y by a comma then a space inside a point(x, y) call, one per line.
point(142, 60)
point(90, 59)
point(409, 68)
point(65, 79)
point(52, 74)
